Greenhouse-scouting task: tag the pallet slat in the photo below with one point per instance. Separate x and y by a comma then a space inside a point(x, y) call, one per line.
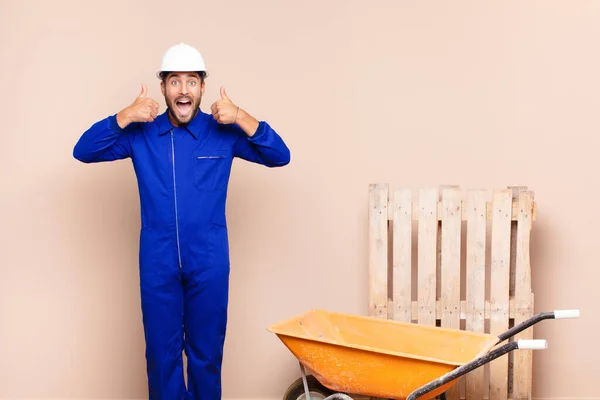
point(402, 256)
point(378, 250)
point(500, 283)
point(512, 309)
point(475, 305)
point(489, 212)
point(427, 259)
point(524, 310)
point(450, 266)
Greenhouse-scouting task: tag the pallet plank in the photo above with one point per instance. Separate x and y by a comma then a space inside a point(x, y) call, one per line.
point(463, 309)
point(450, 265)
point(427, 247)
point(522, 384)
point(499, 289)
point(402, 256)
point(475, 282)
point(513, 260)
point(378, 250)
point(489, 212)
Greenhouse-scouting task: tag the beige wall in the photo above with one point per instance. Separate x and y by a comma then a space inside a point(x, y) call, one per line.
point(480, 94)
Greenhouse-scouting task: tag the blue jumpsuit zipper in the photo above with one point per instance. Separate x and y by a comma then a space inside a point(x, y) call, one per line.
point(175, 197)
point(182, 175)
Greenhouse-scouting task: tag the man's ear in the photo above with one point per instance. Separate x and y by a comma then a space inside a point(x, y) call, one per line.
point(162, 87)
point(203, 87)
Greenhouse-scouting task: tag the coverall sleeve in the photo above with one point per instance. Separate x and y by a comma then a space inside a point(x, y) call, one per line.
point(265, 147)
point(105, 141)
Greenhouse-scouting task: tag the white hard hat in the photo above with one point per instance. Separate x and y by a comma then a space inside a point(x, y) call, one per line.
point(182, 57)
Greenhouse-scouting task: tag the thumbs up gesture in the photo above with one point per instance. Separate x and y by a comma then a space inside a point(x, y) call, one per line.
point(223, 110)
point(143, 109)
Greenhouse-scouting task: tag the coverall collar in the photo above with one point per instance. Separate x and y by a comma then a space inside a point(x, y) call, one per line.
point(194, 127)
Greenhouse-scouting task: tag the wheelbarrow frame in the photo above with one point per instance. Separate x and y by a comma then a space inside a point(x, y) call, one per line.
point(531, 344)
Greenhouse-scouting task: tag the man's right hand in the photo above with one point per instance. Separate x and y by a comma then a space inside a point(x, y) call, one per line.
point(143, 109)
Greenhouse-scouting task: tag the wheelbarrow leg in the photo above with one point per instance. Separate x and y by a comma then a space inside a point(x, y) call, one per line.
point(335, 396)
point(304, 381)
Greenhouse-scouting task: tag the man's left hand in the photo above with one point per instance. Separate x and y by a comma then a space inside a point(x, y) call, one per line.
point(223, 110)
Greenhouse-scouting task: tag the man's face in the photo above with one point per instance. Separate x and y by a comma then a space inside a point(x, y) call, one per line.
point(183, 92)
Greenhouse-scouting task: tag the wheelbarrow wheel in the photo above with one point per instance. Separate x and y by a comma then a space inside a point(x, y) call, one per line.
point(317, 391)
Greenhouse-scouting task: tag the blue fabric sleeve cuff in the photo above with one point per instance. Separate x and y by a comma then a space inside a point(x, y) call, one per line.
point(113, 124)
point(260, 131)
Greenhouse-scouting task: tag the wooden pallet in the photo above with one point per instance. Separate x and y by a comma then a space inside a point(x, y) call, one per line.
point(456, 259)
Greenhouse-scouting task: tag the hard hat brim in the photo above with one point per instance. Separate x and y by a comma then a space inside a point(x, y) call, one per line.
point(160, 73)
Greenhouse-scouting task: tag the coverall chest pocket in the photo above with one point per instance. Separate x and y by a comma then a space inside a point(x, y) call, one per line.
point(210, 169)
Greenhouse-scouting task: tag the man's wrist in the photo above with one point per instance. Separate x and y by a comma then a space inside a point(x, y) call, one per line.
point(123, 118)
point(247, 122)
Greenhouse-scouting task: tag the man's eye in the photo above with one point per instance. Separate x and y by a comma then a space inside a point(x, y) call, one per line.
point(173, 82)
point(193, 83)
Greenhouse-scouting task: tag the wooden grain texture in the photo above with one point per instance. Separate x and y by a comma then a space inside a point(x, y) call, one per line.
point(489, 212)
point(450, 265)
point(402, 256)
point(499, 288)
point(475, 304)
point(522, 378)
point(378, 250)
point(427, 260)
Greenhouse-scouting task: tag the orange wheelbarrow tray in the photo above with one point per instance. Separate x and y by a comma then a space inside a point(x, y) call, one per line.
point(375, 357)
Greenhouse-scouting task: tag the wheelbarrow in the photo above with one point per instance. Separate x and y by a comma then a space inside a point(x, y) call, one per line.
point(373, 357)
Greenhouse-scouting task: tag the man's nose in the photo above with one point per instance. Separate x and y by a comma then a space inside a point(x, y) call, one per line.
point(183, 89)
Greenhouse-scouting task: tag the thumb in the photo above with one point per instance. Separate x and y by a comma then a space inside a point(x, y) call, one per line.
point(144, 91)
point(223, 94)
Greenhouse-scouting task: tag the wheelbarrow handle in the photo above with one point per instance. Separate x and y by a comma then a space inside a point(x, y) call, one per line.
point(532, 344)
point(456, 373)
point(557, 314)
point(523, 344)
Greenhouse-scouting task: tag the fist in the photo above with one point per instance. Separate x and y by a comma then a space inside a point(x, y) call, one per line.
point(143, 109)
point(223, 110)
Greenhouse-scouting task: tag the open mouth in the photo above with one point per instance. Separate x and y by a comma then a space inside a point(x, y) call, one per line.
point(184, 106)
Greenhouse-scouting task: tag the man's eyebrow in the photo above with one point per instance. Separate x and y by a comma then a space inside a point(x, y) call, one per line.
point(173, 75)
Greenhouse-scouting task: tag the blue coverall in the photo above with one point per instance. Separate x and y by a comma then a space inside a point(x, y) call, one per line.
point(182, 175)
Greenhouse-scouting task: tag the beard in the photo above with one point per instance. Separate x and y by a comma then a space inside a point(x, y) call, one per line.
point(183, 109)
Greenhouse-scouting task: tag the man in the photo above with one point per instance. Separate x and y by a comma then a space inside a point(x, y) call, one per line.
point(182, 160)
